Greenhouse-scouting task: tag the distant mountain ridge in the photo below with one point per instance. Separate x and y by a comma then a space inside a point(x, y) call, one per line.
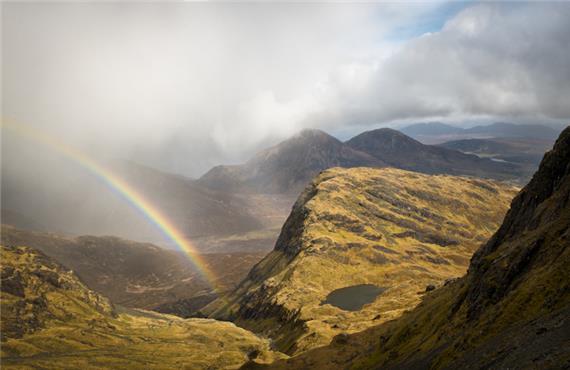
point(516, 150)
point(430, 128)
point(503, 129)
point(401, 151)
point(290, 165)
point(437, 132)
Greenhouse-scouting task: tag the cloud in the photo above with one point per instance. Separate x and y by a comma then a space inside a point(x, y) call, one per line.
point(187, 86)
point(490, 59)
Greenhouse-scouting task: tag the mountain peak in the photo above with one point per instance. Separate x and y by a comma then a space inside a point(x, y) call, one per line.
point(290, 165)
point(312, 132)
point(401, 151)
point(386, 132)
point(308, 136)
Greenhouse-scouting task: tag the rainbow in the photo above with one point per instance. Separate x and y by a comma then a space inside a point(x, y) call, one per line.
point(133, 197)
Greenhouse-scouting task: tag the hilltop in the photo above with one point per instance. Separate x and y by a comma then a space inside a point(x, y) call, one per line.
point(397, 230)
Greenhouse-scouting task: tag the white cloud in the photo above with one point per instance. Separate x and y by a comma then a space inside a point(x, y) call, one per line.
point(212, 82)
point(488, 60)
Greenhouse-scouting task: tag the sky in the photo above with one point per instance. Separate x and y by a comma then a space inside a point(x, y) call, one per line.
point(185, 86)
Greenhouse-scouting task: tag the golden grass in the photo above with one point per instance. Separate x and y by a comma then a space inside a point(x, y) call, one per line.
point(70, 327)
point(392, 228)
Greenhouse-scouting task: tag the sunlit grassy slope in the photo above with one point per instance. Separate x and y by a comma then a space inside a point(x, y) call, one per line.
point(510, 311)
point(396, 229)
point(52, 320)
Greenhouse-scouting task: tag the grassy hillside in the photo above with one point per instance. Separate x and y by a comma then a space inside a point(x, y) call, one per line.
point(511, 310)
point(398, 230)
point(51, 320)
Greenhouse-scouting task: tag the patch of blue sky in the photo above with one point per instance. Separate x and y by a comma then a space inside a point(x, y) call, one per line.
point(432, 21)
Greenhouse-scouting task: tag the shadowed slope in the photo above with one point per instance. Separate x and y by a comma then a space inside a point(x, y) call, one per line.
point(85, 204)
point(401, 151)
point(288, 166)
point(137, 275)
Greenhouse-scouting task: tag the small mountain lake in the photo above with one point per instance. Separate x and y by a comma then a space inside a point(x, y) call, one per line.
point(353, 298)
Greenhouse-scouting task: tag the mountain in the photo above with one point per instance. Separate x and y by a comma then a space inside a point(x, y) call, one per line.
point(437, 133)
point(510, 311)
point(401, 151)
point(377, 237)
point(195, 210)
point(137, 275)
point(216, 220)
point(525, 152)
point(288, 166)
point(51, 320)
